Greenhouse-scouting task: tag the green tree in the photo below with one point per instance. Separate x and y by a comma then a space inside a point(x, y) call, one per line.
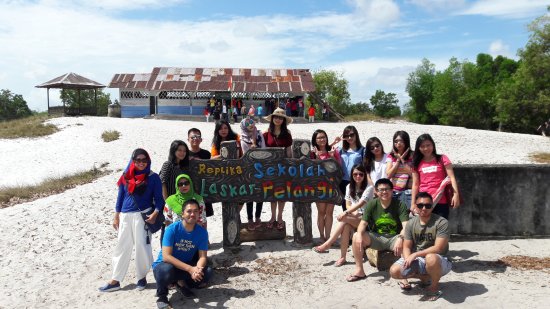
point(12, 106)
point(332, 87)
point(385, 104)
point(523, 101)
point(70, 98)
point(420, 89)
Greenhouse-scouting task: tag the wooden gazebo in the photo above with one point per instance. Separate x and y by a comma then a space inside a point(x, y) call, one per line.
point(76, 82)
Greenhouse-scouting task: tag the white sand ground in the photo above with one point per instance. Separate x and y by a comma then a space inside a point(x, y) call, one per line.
point(55, 251)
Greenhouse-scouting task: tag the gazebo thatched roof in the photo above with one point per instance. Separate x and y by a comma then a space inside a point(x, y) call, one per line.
point(71, 81)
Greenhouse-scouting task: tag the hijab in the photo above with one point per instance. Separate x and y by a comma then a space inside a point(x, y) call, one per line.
point(133, 178)
point(175, 201)
point(246, 135)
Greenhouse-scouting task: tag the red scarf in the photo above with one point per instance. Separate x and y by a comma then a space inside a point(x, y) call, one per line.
point(131, 179)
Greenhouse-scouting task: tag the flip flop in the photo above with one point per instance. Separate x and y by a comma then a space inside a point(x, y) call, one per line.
point(251, 226)
point(431, 296)
point(280, 226)
point(404, 286)
point(316, 249)
point(353, 278)
point(271, 224)
point(340, 262)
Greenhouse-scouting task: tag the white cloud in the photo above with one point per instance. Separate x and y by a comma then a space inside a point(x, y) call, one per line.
point(499, 48)
point(365, 76)
point(506, 8)
point(44, 39)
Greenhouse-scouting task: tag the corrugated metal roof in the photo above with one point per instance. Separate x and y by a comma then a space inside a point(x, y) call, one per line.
point(217, 79)
point(71, 81)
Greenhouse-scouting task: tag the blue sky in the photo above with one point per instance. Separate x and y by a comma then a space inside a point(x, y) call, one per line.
point(374, 43)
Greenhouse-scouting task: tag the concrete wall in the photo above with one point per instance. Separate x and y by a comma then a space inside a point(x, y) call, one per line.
point(507, 200)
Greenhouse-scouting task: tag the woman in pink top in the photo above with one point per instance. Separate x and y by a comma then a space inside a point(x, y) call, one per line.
point(323, 151)
point(430, 170)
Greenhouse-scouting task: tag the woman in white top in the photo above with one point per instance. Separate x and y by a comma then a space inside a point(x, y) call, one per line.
point(375, 160)
point(358, 193)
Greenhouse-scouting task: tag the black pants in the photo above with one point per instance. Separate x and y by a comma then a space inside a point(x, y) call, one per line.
point(250, 208)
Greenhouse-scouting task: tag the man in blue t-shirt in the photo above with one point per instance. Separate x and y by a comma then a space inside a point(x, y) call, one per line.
point(182, 259)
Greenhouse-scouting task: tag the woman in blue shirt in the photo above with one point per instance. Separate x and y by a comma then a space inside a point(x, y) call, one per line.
point(138, 188)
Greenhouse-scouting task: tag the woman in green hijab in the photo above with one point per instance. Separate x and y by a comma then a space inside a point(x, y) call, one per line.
point(184, 192)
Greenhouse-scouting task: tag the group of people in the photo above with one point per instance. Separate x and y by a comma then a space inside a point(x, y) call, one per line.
point(393, 201)
point(397, 201)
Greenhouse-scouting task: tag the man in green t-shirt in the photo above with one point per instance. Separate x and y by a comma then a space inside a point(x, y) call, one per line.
point(387, 218)
point(426, 244)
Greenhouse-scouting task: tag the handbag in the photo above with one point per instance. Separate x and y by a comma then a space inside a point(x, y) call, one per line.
point(159, 221)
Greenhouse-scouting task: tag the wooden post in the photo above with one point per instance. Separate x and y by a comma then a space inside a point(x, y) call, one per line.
point(231, 217)
point(301, 212)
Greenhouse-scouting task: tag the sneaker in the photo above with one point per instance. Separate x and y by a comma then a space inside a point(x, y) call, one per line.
point(162, 302)
point(141, 284)
point(186, 292)
point(110, 287)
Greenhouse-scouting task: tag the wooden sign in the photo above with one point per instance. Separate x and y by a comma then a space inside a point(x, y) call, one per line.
point(266, 175)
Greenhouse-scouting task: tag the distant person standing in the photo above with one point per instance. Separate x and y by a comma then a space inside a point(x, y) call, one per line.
point(252, 111)
point(311, 113)
point(325, 111)
point(544, 128)
point(224, 111)
point(243, 110)
point(212, 103)
point(260, 111)
point(300, 107)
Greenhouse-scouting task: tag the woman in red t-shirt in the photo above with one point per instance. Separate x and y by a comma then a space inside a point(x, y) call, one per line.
point(278, 136)
point(431, 172)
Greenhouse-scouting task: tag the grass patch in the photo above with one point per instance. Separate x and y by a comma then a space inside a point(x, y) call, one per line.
point(10, 196)
point(541, 157)
point(110, 135)
point(32, 126)
point(363, 117)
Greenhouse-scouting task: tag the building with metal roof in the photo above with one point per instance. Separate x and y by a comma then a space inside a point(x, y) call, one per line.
point(185, 91)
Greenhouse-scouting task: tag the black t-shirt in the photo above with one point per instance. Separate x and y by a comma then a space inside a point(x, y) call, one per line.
point(201, 154)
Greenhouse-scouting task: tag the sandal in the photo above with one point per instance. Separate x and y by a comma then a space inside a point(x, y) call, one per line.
point(271, 224)
point(404, 286)
point(281, 225)
point(353, 278)
point(251, 226)
point(316, 249)
point(431, 296)
point(340, 262)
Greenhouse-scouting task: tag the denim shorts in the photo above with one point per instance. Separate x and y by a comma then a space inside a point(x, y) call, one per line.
point(418, 266)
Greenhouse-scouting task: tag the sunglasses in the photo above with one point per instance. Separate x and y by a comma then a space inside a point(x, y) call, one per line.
point(195, 137)
point(349, 135)
point(375, 146)
point(183, 184)
point(420, 206)
point(139, 160)
point(359, 174)
point(250, 122)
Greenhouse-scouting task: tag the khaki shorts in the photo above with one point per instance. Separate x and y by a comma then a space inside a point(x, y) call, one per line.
point(381, 242)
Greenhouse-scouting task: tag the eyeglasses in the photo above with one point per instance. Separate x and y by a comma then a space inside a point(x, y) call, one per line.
point(250, 122)
point(140, 160)
point(183, 184)
point(384, 190)
point(375, 146)
point(420, 206)
point(359, 174)
point(351, 135)
point(196, 137)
